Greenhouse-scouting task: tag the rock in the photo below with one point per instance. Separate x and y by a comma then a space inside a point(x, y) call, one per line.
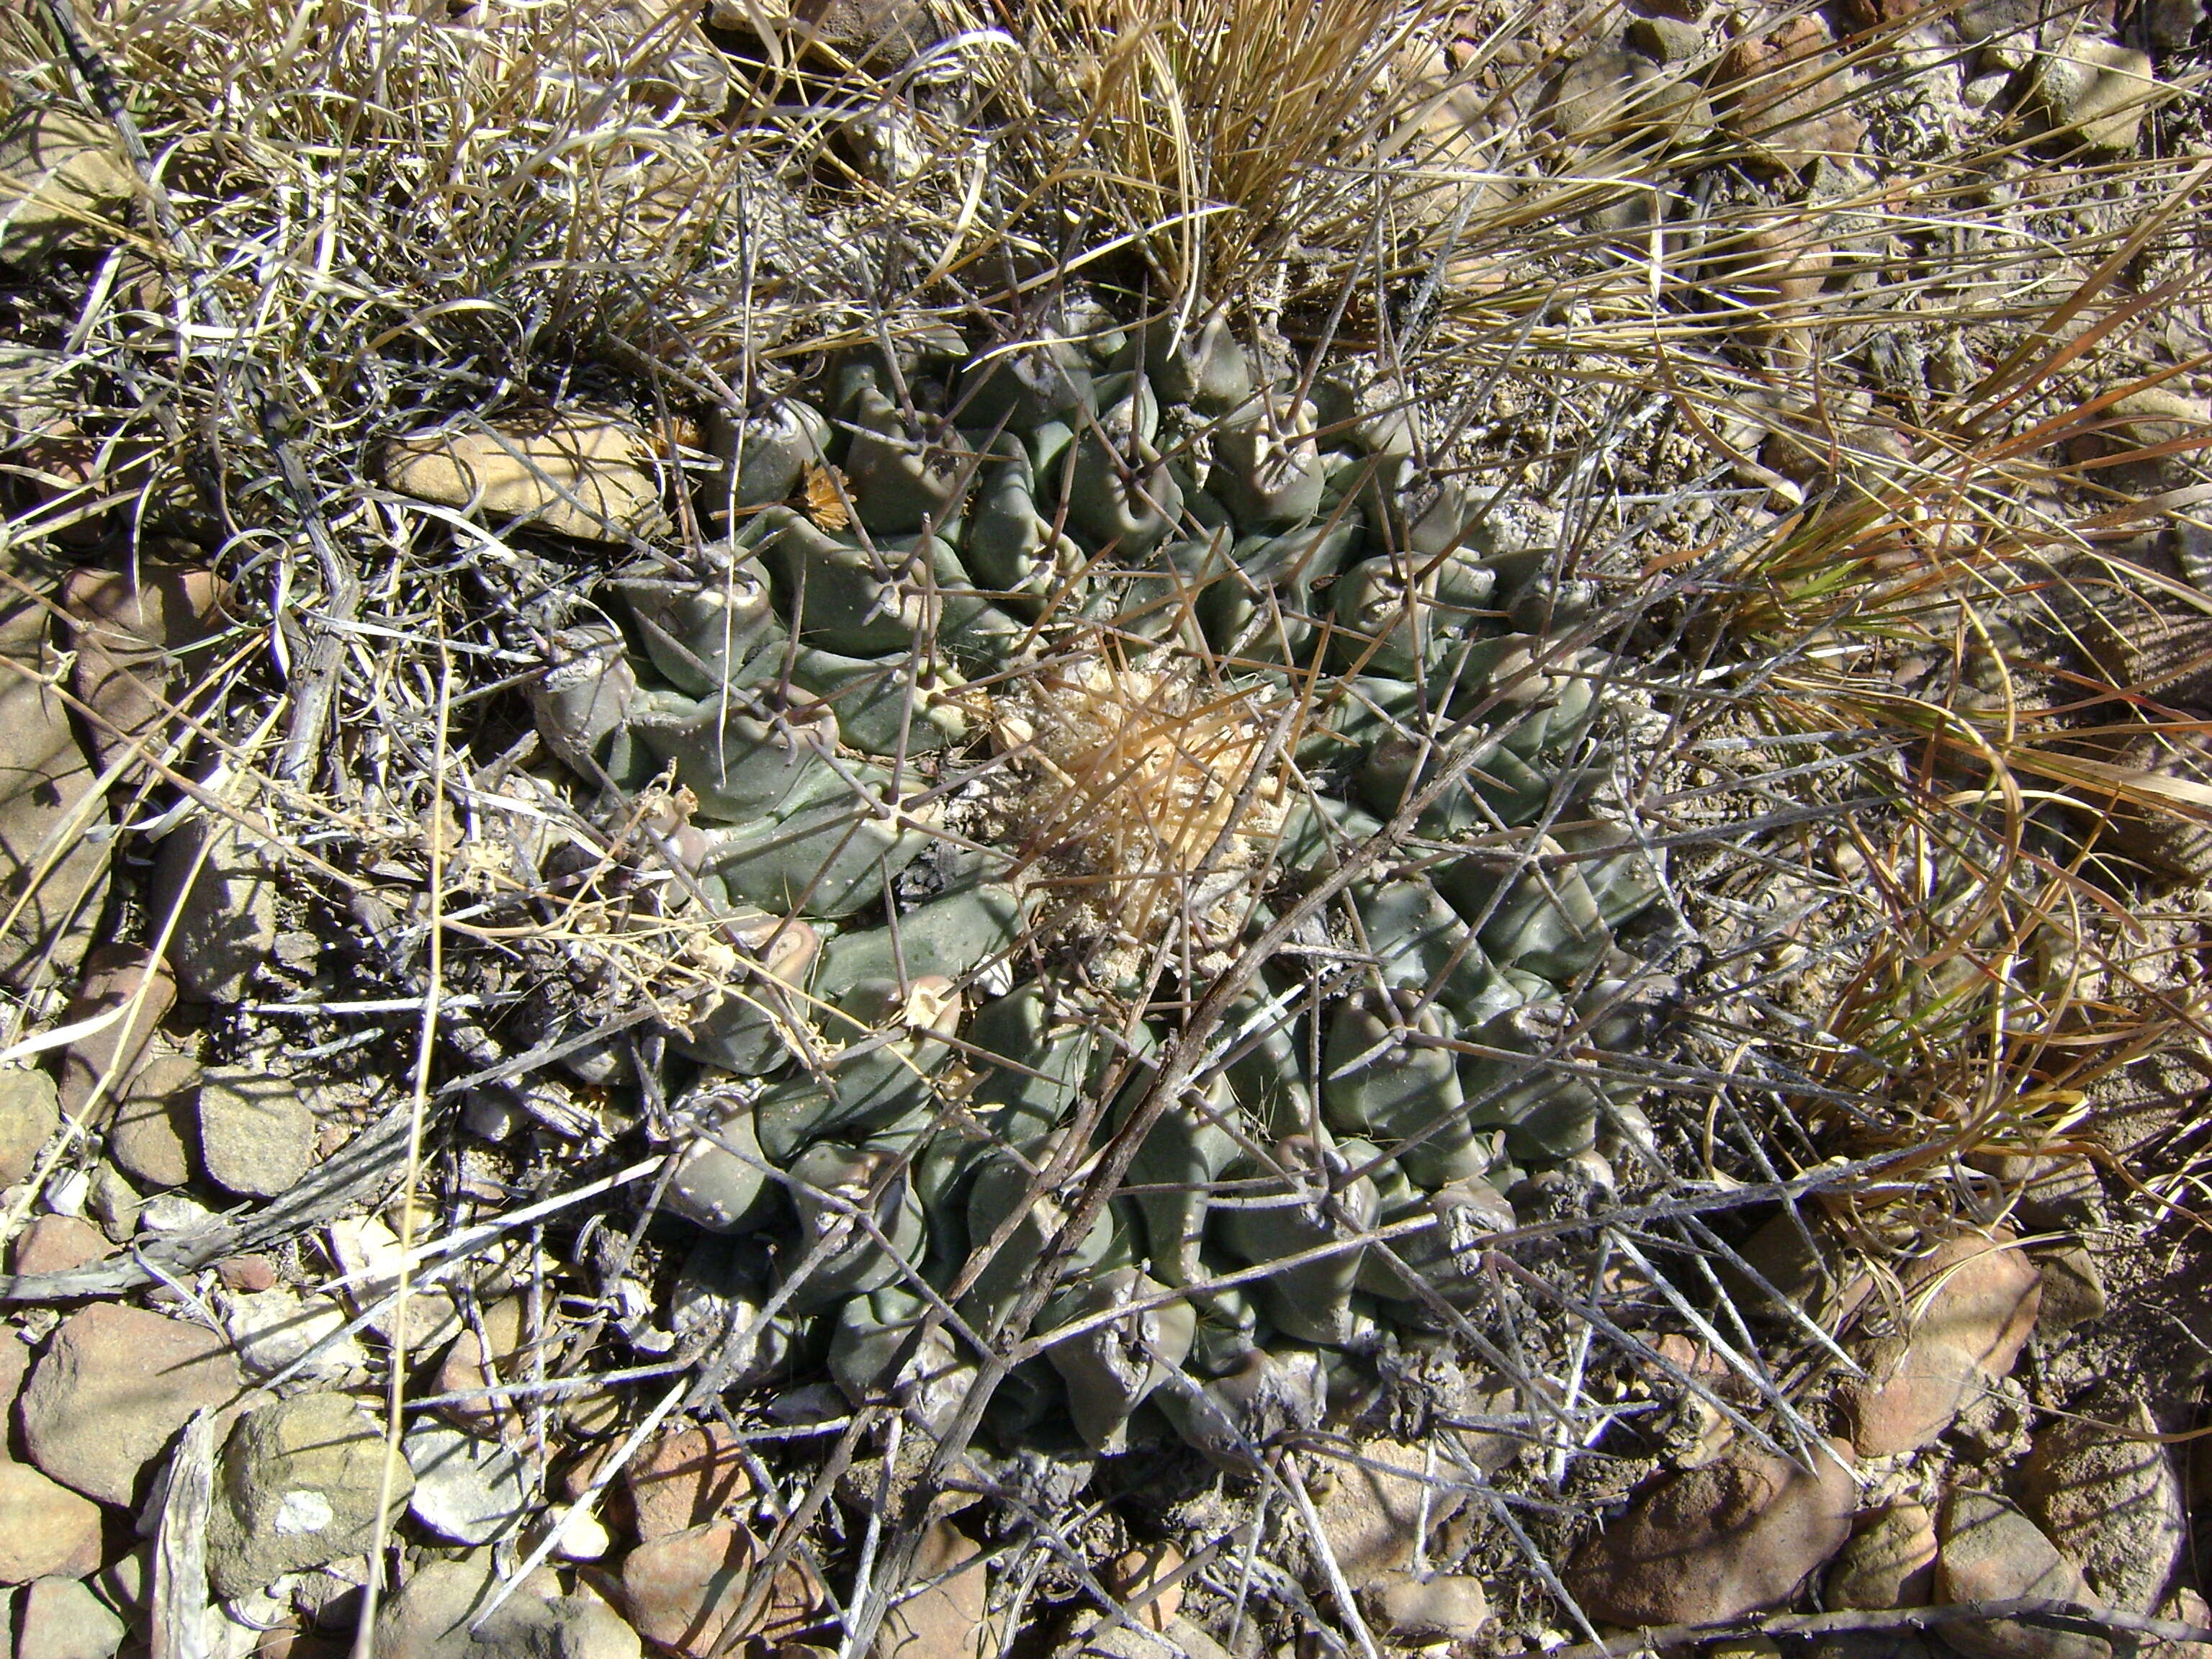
point(882, 35)
point(1889, 1562)
point(113, 1203)
point(1976, 1298)
point(48, 866)
point(583, 1535)
point(1448, 1608)
point(277, 1328)
point(15, 1366)
point(686, 1480)
point(368, 1252)
point(1874, 1644)
point(2110, 1503)
point(1789, 94)
point(1713, 1543)
point(1131, 1576)
point(430, 1616)
point(152, 1135)
point(134, 648)
point(466, 1368)
point(944, 1620)
point(257, 1135)
point(64, 1620)
point(124, 977)
point(56, 1243)
point(1371, 1513)
point(2073, 1290)
point(2159, 415)
point(296, 1487)
point(469, 1490)
point(659, 55)
point(1611, 93)
point(113, 1387)
point(1181, 1639)
point(1990, 1552)
point(30, 1112)
point(2095, 90)
point(247, 1273)
point(574, 475)
point(174, 1212)
point(683, 1587)
point(126, 1584)
point(64, 183)
point(2167, 26)
point(47, 1531)
point(227, 919)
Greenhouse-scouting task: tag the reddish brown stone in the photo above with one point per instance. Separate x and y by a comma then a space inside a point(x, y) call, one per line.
point(56, 1243)
point(114, 976)
point(1788, 95)
point(132, 641)
point(686, 1480)
point(1714, 1542)
point(1972, 1303)
point(113, 1387)
point(247, 1272)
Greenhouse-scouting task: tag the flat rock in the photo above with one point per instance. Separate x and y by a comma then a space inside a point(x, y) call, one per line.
point(469, 1490)
point(2096, 91)
point(257, 1135)
point(1371, 1513)
point(944, 1619)
point(64, 183)
point(112, 1389)
point(1975, 1298)
point(466, 1368)
point(277, 1328)
point(47, 1531)
point(1788, 95)
point(47, 865)
point(117, 977)
point(572, 475)
point(2074, 1291)
point(64, 1620)
point(114, 1203)
point(686, 1480)
point(1991, 1551)
point(30, 1112)
point(56, 1243)
point(682, 1588)
point(155, 1121)
point(1889, 1562)
point(1450, 1607)
point(2110, 1503)
point(369, 1253)
point(296, 1487)
point(431, 1614)
point(1179, 1638)
point(1713, 1543)
point(134, 642)
point(224, 889)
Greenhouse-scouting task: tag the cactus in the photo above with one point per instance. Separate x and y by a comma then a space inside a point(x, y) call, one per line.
point(959, 753)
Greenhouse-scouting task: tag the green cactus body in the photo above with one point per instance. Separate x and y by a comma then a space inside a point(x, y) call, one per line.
point(1285, 1217)
point(1033, 645)
point(701, 632)
point(768, 450)
point(1110, 1368)
point(834, 1187)
point(1390, 1079)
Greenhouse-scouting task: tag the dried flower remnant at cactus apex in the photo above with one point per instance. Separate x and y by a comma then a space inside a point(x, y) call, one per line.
point(1119, 647)
point(1140, 781)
